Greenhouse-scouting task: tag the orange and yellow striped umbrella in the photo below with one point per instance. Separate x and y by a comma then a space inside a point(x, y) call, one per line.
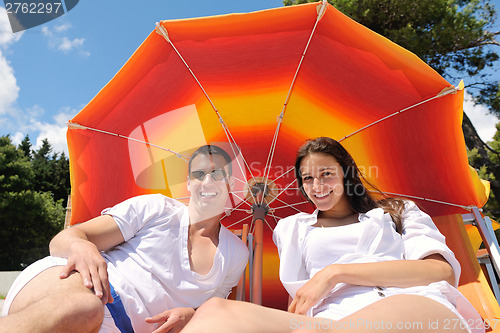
point(259, 84)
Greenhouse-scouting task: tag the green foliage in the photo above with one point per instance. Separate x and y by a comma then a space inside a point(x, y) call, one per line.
point(26, 146)
point(28, 221)
point(488, 172)
point(52, 172)
point(495, 146)
point(492, 207)
point(15, 169)
point(33, 188)
point(452, 36)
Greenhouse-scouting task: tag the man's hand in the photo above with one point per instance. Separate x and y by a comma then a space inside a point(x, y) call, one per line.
point(173, 321)
point(81, 245)
point(85, 259)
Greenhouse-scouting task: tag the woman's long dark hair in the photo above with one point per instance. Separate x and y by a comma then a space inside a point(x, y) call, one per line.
point(357, 194)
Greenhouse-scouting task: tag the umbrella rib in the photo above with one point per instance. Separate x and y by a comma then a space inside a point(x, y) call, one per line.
point(241, 181)
point(276, 216)
point(270, 156)
point(282, 191)
point(72, 125)
point(444, 92)
point(291, 205)
point(235, 223)
point(161, 30)
point(275, 219)
point(285, 173)
point(242, 200)
point(426, 199)
point(286, 204)
point(265, 220)
point(240, 210)
point(237, 206)
point(272, 149)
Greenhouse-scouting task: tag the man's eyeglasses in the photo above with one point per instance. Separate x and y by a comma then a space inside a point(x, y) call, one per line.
point(217, 175)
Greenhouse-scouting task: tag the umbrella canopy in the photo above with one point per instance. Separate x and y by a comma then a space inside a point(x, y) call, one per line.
point(259, 84)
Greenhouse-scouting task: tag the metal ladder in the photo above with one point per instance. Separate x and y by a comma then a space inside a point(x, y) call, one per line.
point(491, 260)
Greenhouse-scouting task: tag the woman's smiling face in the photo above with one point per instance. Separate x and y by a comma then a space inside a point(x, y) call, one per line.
point(323, 182)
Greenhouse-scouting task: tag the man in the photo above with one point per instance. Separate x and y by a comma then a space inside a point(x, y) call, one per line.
point(157, 253)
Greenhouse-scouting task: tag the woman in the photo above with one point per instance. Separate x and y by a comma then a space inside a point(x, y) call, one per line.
point(354, 264)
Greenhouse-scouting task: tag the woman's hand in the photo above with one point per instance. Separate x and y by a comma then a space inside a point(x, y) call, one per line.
point(173, 321)
point(394, 273)
point(85, 259)
point(314, 290)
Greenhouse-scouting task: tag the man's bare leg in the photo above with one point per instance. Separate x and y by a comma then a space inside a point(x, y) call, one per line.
point(50, 304)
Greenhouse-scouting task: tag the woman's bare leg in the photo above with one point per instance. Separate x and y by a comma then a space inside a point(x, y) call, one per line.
point(50, 304)
point(410, 313)
point(220, 315)
point(400, 313)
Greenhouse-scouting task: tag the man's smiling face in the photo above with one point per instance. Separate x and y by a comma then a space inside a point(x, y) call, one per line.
point(209, 184)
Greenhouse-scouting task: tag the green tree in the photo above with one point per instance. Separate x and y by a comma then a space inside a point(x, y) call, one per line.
point(26, 146)
point(492, 207)
point(42, 166)
point(28, 221)
point(15, 169)
point(28, 218)
point(61, 180)
point(51, 172)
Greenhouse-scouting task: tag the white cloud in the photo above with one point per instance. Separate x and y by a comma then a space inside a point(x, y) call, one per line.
point(7, 37)
point(56, 135)
point(19, 122)
point(9, 90)
point(67, 44)
point(46, 31)
point(29, 122)
point(57, 39)
point(62, 27)
point(56, 131)
point(17, 137)
point(481, 118)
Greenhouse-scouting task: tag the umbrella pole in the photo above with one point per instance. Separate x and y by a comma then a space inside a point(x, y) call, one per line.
point(259, 212)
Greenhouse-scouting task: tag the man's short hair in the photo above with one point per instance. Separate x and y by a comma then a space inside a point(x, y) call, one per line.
point(212, 150)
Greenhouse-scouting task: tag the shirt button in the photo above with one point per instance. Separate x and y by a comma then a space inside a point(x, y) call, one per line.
point(381, 294)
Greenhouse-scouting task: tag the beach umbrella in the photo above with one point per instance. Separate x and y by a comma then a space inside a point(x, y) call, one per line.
point(259, 84)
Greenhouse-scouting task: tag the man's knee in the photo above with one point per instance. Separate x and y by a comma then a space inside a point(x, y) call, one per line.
point(84, 311)
point(78, 312)
point(88, 307)
point(47, 286)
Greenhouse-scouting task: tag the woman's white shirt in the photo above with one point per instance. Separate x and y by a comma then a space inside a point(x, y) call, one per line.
point(304, 250)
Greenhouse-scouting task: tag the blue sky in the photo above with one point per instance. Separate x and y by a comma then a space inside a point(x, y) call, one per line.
point(50, 72)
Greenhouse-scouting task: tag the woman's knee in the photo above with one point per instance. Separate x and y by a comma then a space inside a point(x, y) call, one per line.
point(214, 306)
